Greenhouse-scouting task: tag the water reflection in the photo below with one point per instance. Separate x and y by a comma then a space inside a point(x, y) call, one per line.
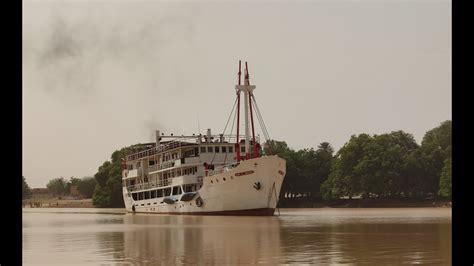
point(202, 239)
point(368, 243)
point(315, 236)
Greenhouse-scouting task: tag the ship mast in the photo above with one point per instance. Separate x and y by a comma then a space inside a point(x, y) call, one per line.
point(237, 146)
point(247, 90)
point(255, 152)
point(246, 106)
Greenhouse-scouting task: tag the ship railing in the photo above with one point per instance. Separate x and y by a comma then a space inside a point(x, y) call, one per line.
point(143, 186)
point(156, 167)
point(153, 168)
point(222, 169)
point(168, 146)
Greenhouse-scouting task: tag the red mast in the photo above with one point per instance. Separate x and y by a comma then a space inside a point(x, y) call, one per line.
point(237, 145)
point(247, 79)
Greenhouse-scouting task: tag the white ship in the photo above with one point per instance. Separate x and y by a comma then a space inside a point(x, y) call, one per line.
point(206, 174)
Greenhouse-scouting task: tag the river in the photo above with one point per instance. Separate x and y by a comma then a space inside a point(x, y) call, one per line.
point(89, 236)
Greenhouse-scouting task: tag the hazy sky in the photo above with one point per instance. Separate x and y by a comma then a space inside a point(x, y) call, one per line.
point(101, 75)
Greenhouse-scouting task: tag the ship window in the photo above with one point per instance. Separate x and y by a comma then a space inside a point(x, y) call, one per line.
point(231, 150)
point(147, 194)
point(159, 193)
point(134, 196)
point(175, 190)
point(209, 149)
point(242, 149)
point(179, 190)
point(167, 191)
point(179, 172)
point(216, 149)
point(203, 149)
point(224, 150)
point(153, 194)
point(189, 188)
point(195, 169)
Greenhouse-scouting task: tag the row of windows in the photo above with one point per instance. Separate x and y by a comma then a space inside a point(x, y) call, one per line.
point(164, 192)
point(179, 172)
point(217, 149)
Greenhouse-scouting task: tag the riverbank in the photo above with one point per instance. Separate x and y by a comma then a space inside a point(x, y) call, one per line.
point(57, 203)
point(283, 203)
point(363, 203)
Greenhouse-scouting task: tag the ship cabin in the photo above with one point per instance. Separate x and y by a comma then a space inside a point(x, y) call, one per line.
point(177, 166)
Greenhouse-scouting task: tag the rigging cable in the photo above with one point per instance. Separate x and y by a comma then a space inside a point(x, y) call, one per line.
point(259, 114)
point(230, 115)
point(223, 132)
point(230, 134)
point(262, 125)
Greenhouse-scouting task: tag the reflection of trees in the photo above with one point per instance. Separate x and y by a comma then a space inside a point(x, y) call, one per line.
point(112, 243)
point(201, 239)
point(374, 243)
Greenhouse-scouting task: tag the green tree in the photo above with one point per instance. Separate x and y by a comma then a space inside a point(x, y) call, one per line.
point(26, 189)
point(86, 186)
point(317, 168)
point(108, 190)
point(445, 180)
point(436, 147)
point(57, 186)
point(370, 166)
point(382, 168)
point(343, 180)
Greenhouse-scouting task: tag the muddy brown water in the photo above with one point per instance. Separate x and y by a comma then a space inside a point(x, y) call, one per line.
point(376, 236)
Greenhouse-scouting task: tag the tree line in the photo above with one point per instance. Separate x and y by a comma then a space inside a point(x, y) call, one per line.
point(390, 165)
point(61, 186)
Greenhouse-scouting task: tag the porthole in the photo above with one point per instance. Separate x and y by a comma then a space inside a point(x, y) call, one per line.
point(217, 180)
point(231, 177)
point(212, 181)
point(223, 178)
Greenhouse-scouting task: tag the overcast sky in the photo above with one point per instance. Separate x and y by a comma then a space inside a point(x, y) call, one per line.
point(101, 75)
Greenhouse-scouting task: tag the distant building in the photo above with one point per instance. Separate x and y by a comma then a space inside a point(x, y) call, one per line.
point(37, 193)
point(73, 191)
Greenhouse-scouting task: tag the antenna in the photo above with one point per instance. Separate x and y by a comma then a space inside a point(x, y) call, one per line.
point(247, 81)
point(199, 128)
point(240, 72)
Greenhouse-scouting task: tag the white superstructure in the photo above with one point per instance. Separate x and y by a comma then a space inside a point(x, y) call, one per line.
point(205, 174)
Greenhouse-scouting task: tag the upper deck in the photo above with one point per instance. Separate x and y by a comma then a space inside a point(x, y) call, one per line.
point(150, 149)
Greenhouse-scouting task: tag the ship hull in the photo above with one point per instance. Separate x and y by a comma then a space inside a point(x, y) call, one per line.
point(250, 189)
